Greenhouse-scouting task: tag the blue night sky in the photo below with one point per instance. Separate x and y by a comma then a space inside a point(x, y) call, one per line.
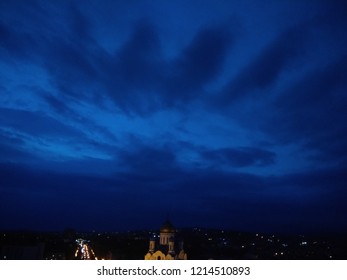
point(225, 114)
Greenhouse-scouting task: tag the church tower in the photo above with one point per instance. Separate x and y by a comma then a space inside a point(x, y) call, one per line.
point(167, 246)
point(167, 231)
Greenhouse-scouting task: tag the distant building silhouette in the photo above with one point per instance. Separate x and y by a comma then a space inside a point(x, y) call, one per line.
point(167, 247)
point(18, 252)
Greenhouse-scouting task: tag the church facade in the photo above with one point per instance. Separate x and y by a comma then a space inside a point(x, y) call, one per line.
point(167, 247)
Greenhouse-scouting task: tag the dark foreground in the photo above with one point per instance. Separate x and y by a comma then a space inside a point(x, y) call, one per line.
point(198, 243)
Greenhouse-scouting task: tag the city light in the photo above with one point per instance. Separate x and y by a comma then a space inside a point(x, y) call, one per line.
point(83, 251)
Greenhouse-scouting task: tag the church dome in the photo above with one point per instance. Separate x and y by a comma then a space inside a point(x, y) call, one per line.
point(167, 227)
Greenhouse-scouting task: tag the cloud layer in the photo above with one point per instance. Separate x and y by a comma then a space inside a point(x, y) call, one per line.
point(224, 115)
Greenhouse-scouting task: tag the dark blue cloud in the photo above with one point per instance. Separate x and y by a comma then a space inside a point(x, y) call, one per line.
point(224, 114)
point(240, 157)
point(137, 77)
point(34, 123)
point(139, 61)
point(198, 64)
point(56, 104)
point(13, 41)
point(149, 163)
point(133, 72)
point(312, 111)
point(142, 80)
point(263, 72)
point(11, 148)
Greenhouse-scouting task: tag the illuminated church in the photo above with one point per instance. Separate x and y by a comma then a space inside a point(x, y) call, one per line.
point(167, 247)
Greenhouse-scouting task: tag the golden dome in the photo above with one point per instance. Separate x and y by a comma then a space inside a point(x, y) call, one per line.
point(167, 227)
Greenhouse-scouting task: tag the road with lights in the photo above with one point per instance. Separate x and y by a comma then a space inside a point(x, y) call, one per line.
point(84, 251)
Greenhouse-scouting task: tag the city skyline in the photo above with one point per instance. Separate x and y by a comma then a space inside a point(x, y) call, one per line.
point(218, 114)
